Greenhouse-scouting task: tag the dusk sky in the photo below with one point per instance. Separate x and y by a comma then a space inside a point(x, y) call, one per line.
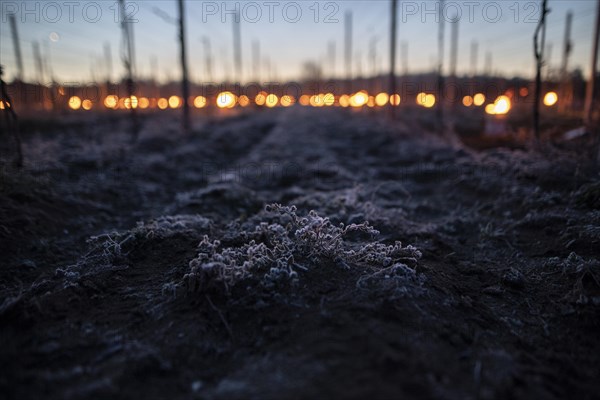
point(72, 36)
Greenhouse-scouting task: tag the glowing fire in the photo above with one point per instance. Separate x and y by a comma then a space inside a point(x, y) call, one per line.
point(86, 104)
point(467, 101)
point(550, 99)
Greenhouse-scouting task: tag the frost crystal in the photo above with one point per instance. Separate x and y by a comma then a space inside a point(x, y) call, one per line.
point(274, 252)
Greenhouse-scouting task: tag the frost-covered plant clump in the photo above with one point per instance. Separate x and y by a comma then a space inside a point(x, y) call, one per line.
point(275, 252)
point(170, 225)
point(109, 251)
point(115, 246)
point(233, 264)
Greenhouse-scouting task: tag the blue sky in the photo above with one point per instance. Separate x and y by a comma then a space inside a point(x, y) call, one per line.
point(73, 34)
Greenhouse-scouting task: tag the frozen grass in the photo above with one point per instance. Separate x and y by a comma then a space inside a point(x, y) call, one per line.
point(109, 252)
point(276, 252)
point(273, 252)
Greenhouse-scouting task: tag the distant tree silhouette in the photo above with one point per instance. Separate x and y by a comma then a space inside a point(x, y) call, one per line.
point(539, 46)
point(12, 120)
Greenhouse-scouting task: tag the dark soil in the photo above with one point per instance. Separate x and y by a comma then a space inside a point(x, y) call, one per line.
point(504, 303)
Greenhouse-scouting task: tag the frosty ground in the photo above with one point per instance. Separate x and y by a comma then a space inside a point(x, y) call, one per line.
point(105, 292)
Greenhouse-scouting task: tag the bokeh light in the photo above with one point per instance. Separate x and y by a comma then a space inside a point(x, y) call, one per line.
point(163, 103)
point(261, 99)
point(131, 102)
point(226, 100)
point(344, 100)
point(523, 92)
point(426, 100)
point(200, 102)
point(316, 100)
point(271, 100)
point(244, 101)
point(287, 100)
point(111, 101)
point(550, 99)
point(328, 99)
point(143, 103)
point(359, 99)
point(479, 99)
point(381, 99)
point(501, 106)
point(174, 102)
point(74, 103)
point(304, 100)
